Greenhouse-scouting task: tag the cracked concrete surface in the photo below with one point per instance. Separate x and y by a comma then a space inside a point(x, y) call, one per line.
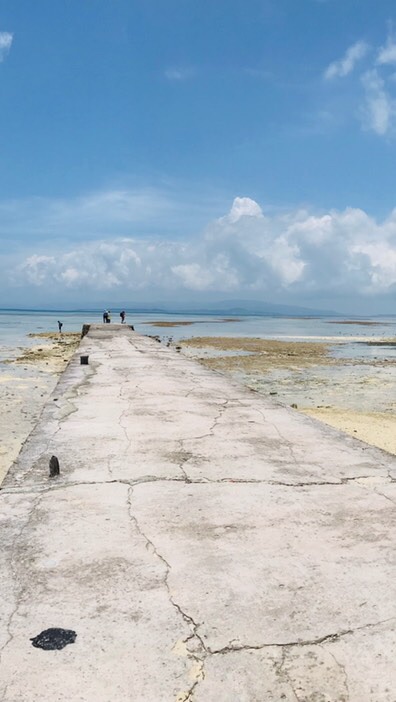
point(205, 543)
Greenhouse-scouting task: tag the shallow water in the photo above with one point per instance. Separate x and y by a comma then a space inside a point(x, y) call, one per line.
point(15, 327)
point(364, 351)
point(362, 388)
point(286, 329)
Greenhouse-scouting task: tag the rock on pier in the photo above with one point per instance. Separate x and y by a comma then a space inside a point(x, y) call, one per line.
point(201, 543)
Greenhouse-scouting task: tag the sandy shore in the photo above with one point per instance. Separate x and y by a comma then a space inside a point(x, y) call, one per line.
point(355, 395)
point(25, 384)
point(375, 428)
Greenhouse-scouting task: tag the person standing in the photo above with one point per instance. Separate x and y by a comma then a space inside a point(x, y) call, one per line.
point(105, 313)
point(60, 325)
point(122, 315)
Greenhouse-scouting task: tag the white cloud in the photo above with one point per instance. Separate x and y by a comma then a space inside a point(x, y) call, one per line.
point(374, 90)
point(345, 66)
point(244, 207)
point(6, 39)
point(38, 268)
point(382, 257)
point(387, 53)
point(379, 108)
point(300, 254)
point(179, 73)
point(118, 212)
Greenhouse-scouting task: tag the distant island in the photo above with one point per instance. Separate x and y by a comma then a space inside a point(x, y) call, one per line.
point(222, 307)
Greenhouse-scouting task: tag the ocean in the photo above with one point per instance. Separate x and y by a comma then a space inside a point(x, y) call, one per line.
point(16, 325)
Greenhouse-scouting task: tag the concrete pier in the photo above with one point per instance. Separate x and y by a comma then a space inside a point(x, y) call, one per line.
point(204, 543)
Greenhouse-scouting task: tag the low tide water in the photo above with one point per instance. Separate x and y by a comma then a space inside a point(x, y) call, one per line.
point(349, 340)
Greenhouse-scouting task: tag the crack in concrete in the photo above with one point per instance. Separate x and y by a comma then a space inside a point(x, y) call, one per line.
point(286, 441)
point(363, 447)
point(385, 496)
point(207, 651)
point(328, 638)
point(44, 488)
point(285, 674)
point(185, 479)
point(186, 617)
point(309, 483)
point(184, 458)
point(12, 564)
point(343, 671)
point(109, 468)
point(188, 696)
point(124, 428)
point(391, 478)
point(222, 408)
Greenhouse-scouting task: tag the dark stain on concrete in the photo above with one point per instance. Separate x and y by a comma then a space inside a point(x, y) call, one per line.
point(54, 639)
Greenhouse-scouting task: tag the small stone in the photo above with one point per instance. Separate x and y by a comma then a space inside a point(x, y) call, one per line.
point(294, 406)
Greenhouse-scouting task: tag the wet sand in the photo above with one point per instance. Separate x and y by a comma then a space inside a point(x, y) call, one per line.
point(54, 351)
point(259, 355)
point(354, 395)
point(25, 384)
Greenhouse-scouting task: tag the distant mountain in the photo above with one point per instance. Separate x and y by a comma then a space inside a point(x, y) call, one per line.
point(242, 307)
point(230, 307)
point(218, 307)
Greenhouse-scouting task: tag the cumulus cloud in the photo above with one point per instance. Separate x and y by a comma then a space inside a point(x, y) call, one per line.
point(6, 39)
point(345, 66)
point(244, 207)
point(299, 254)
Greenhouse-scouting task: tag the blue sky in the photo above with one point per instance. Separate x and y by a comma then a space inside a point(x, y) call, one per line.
point(219, 148)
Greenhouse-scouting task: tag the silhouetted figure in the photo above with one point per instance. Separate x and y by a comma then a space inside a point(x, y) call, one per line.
point(60, 325)
point(122, 315)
